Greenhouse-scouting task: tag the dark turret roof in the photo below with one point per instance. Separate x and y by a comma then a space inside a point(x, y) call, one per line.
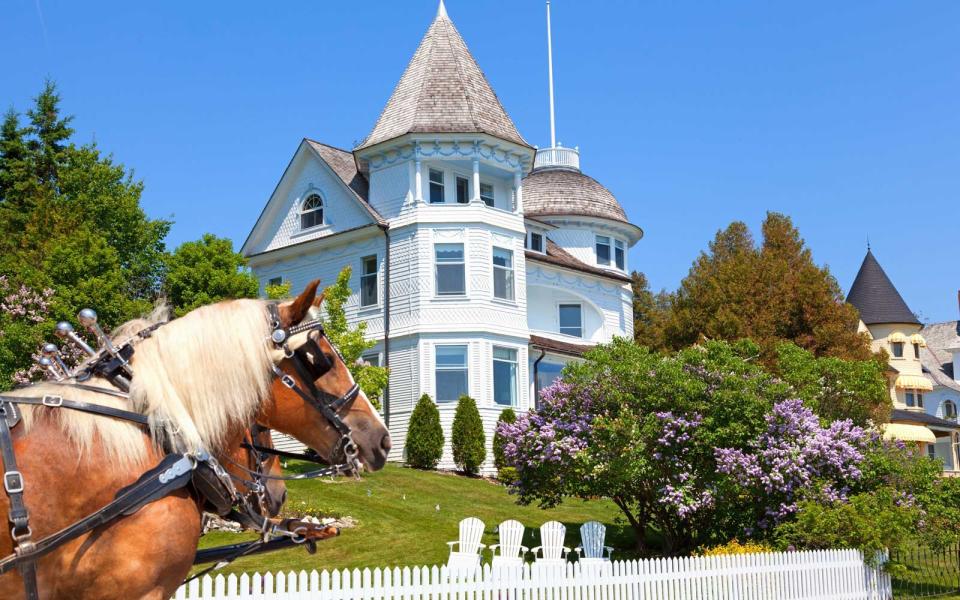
point(874, 295)
point(443, 90)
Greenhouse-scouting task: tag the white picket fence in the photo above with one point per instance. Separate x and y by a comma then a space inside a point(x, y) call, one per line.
point(816, 575)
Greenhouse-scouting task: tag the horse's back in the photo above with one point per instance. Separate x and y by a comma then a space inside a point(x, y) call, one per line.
point(145, 554)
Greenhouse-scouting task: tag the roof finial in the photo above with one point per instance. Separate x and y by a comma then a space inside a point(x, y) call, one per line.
point(442, 11)
point(868, 243)
point(553, 129)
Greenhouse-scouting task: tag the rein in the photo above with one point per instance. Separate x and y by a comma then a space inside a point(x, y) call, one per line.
point(176, 470)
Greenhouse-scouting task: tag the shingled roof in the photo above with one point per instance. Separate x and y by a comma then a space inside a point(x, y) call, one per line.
point(560, 191)
point(874, 295)
point(936, 356)
point(342, 163)
point(443, 90)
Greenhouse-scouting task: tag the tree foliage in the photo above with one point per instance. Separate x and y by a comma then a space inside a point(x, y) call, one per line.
point(467, 438)
point(508, 416)
point(771, 293)
point(424, 445)
point(207, 271)
point(650, 313)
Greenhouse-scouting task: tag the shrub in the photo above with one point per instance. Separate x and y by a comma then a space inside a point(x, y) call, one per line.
point(735, 547)
point(499, 440)
point(424, 445)
point(468, 439)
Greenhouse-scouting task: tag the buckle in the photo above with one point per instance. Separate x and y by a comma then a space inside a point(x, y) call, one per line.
point(13, 482)
point(19, 538)
point(52, 401)
point(288, 381)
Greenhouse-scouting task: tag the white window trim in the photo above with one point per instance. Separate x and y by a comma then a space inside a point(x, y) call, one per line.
point(516, 383)
point(583, 331)
point(436, 279)
point(324, 222)
point(513, 276)
point(528, 244)
point(464, 344)
point(493, 187)
point(376, 276)
point(596, 242)
point(442, 183)
point(459, 175)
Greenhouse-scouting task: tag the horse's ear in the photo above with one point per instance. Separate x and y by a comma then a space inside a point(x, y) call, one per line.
point(295, 311)
point(319, 299)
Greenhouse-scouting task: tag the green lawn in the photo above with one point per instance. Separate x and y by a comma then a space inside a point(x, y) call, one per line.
point(398, 523)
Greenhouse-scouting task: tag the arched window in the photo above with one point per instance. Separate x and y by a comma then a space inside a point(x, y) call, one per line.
point(949, 409)
point(311, 212)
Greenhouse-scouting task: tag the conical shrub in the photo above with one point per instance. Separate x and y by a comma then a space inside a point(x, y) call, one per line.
point(468, 440)
point(424, 445)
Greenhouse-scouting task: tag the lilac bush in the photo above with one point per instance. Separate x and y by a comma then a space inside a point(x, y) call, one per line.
point(796, 459)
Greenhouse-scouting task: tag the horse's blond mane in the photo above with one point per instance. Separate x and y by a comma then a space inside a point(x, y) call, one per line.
point(193, 377)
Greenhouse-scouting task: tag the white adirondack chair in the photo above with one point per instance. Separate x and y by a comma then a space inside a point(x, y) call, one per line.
point(511, 545)
point(467, 554)
point(553, 554)
point(591, 548)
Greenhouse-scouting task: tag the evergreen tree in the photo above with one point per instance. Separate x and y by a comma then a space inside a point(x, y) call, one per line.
point(207, 271)
point(650, 313)
point(770, 294)
point(467, 438)
point(424, 445)
point(506, 416)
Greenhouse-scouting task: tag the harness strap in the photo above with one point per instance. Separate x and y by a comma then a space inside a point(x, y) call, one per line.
point(171, 474)
point(52, 401)
point(18, 516)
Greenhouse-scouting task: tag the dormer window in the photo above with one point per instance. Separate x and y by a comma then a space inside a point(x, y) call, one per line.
point(535, 242)
point(949, 410)
point(436, 187)
point(603, 250)
point(311, 212)
point(618, 253)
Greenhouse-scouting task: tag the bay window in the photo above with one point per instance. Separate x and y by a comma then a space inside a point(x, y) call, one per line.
point(603, 250)
point(503, 273)
point(619, 255)
point(505, 376)
point(486, 194)
point(450, 270)
point(451, 373)
point(463, 190)
point(436, 187)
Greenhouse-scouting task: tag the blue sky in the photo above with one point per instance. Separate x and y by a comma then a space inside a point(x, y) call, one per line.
point(844, 115)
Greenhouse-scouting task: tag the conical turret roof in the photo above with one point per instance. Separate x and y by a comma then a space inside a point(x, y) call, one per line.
point(874, 295)
point(443, 90)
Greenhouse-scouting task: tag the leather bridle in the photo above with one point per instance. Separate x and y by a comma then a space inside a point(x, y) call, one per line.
point(311, 364)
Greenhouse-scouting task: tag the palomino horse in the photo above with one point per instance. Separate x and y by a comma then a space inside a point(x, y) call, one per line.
point(201, 379)
point(245, 462)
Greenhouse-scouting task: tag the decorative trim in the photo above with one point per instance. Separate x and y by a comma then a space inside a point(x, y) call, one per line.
point(447, 149)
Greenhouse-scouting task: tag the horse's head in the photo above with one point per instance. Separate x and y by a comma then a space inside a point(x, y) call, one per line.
point(315, 398)
point(247, 464)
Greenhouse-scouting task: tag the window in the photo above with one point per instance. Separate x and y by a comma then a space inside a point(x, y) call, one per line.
point(486, 193)
point(503, 273)
point(372, 359)
point(571, 320)
point(463, 190)
point(914, 398)
point(932, 450)
point(547, 373)
point(916, 350)
point(275, 281)
point(436, 187)
point(897, 348)
point(949, 410)
point(504, 376)
point(368, 281)
point(536, 242)
point(619, 255)
point(603, 250)
point(311, 212)
point(451, 373)
point(451, 279)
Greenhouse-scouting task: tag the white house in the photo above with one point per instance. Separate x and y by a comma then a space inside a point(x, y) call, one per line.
point(480, 264)
point(941, 364)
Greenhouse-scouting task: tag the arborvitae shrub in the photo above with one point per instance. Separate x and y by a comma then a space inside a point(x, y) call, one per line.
point(507, 416)
point(468, 439)
point(424, 435)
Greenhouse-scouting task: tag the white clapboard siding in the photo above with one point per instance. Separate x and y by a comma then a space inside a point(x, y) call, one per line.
point(814, 575)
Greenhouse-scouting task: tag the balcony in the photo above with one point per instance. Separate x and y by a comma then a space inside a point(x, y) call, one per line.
point(558, 156)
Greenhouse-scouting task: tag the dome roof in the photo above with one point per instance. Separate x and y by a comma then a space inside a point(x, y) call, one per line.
point(562, 191)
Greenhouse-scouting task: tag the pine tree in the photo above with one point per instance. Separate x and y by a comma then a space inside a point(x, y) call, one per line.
point(770, 294)
point(424, 445)
point(650, 313)
point(468, 439)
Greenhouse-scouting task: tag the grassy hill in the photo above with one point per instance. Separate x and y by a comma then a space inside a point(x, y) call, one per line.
point(399, 524)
